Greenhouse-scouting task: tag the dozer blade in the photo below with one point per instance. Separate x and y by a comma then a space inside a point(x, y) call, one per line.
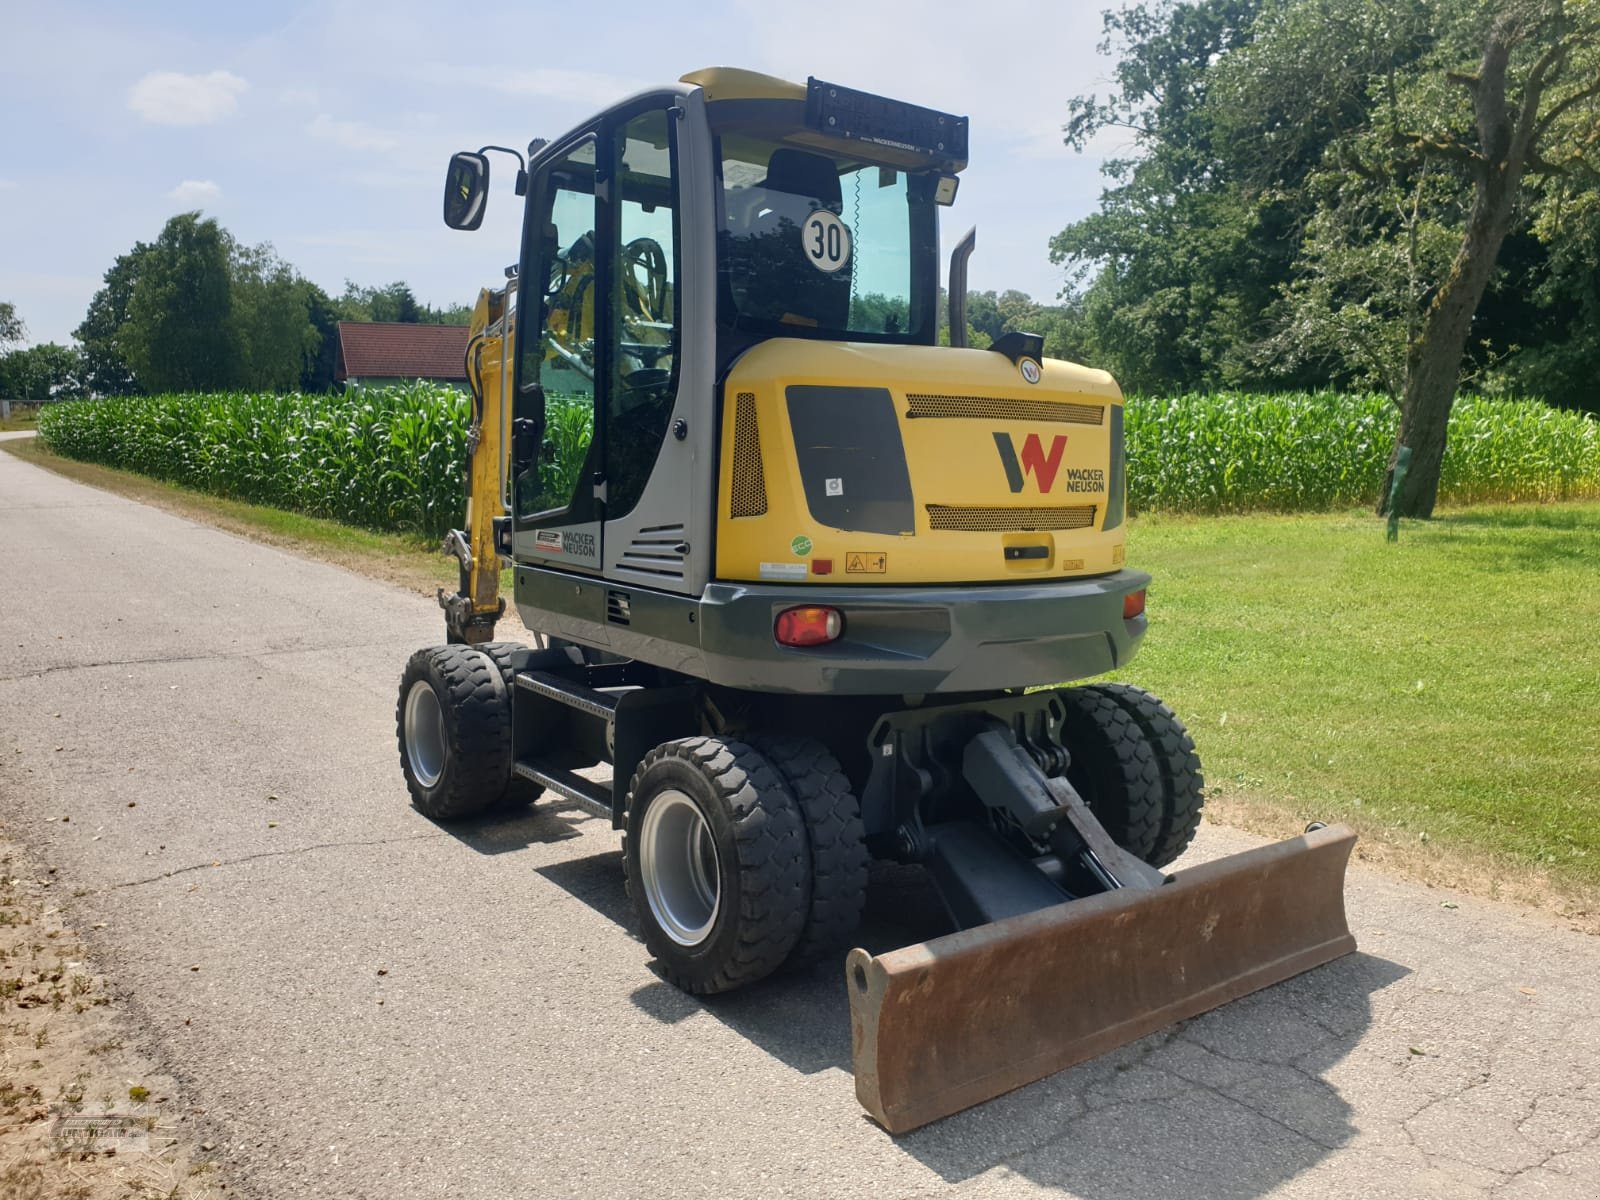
point(940, 1026)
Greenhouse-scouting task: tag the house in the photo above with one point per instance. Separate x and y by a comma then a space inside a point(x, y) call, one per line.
point(379, 352)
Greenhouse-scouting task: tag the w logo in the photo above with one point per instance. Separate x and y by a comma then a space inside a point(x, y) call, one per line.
point(1034, 460)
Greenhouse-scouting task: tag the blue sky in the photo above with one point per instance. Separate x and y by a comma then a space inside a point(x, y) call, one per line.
point(324, 128)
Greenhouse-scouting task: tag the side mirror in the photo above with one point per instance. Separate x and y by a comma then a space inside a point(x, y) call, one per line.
point(466, 190)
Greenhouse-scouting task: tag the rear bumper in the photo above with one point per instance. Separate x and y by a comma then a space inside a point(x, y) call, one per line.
point(915, 640)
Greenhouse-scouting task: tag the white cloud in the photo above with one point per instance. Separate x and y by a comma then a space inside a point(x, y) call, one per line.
point(170, 98)
point(352, 135)
point(193, 193)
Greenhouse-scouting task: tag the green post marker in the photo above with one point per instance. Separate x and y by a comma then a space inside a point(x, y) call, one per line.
point(1402, 464)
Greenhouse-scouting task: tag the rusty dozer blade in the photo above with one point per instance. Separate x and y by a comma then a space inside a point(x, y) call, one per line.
point(940, 1026)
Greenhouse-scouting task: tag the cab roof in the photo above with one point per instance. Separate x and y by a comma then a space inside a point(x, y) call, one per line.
point(734, 83)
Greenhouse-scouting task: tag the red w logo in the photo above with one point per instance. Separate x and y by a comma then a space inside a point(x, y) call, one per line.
point(1035, 460)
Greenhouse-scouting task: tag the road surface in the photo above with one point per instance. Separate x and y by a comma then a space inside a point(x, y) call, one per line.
point(197, 732)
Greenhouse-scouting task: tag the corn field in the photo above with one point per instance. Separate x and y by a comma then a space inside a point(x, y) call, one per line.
point(1299, 452)
point(392, 457)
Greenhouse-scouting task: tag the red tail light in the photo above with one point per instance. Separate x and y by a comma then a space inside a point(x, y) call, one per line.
point(1133, 605)
point(812, 625)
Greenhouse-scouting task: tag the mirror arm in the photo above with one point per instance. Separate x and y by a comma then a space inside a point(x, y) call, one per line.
point(522, 165)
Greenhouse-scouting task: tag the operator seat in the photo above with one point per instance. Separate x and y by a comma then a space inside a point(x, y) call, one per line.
point(771, 277)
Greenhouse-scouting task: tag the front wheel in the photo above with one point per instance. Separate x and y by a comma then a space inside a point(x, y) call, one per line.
point(717, 863)
point(453, 725)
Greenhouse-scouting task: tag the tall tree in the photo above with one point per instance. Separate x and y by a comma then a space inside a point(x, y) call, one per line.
point(1446, 138)
point(12, 330)
point(271, 309)
point(181, 334)
point(106, 370)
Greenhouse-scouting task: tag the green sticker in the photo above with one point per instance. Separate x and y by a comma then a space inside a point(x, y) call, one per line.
point(801, 545)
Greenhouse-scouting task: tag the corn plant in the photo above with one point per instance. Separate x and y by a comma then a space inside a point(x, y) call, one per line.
point(393, 457)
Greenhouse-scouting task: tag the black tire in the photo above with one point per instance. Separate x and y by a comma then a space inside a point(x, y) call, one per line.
point(1182, 783)
point(1113, 768)
point(456, 757)
point(835, 836)
point(761, 867)
point(512, 657)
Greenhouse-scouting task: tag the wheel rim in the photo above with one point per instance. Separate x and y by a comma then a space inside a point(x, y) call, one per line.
point(679, 869)
point(425, 742)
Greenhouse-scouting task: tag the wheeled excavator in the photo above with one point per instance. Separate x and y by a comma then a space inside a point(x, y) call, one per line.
point(820, 590)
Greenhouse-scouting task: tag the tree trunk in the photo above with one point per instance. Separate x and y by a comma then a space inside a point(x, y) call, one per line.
point(1433, 361)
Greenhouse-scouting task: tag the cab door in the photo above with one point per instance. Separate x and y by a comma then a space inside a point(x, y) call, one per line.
point(557, 478)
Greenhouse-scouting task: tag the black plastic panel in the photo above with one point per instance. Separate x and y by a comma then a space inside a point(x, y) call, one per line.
point(861, 116)
point(852, 461)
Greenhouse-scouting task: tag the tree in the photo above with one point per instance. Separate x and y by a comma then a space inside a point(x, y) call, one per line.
point(181, 334)
point(1390, 193)
point(272, 320)
point(106, 371)
point(396, 303)
point(1447, 118)
point(317, 376)
point(44, 372)
point(12, 330)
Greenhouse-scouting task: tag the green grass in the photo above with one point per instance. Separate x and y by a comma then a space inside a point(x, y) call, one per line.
point(1439, 691)
point(23, 416)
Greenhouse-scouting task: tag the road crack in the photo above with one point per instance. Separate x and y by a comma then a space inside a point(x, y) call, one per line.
point(244, 858)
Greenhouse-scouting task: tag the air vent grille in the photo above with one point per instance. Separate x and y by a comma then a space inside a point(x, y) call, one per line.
point(1010, 520)
point(749, 498)
point(993, 408)
point(619, 609)
point(656, 550)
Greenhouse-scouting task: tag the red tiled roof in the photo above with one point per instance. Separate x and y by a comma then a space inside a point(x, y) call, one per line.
point(374, 350)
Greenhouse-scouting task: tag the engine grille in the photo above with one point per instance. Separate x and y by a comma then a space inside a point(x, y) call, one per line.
point(993, 408)
point(1010, 520)
point(749, 498)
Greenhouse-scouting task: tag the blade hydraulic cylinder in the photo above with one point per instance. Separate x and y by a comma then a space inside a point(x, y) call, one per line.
point(946, 1024)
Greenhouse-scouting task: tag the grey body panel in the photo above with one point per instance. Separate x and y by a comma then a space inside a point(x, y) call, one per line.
point(907, 640)
point(576, 545)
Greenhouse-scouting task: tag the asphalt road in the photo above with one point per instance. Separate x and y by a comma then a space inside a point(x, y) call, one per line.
point(198, 733)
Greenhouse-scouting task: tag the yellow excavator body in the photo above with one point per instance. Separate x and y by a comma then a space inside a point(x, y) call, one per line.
point(820, 589)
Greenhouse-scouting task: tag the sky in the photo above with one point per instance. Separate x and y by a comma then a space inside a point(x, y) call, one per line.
point(325, 128)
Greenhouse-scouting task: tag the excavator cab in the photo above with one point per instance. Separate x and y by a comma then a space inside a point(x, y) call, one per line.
point(817, 590)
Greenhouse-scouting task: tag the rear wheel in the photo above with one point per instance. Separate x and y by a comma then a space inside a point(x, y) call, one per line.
point(717, 863)
point(1182, 784)
point(453, 725)
point(1113, 768)
point(835, 837)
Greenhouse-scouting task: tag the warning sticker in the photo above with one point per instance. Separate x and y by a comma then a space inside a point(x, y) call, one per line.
point(548, 539)
point(866, 562)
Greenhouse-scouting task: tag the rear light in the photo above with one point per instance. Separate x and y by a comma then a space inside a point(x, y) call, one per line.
point(1133, 605)
point(812, 625)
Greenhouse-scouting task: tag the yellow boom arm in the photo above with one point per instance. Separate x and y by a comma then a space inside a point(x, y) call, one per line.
point(472, 610)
